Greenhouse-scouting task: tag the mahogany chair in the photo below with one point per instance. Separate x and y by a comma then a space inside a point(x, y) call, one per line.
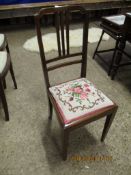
point(120, 61)
point(76, 102)
point(5, 66)
point(113, 26)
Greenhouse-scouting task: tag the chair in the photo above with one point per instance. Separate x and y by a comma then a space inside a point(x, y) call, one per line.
point(5, 65)
point(113, 26)
point(126, 37)
point(76, 102)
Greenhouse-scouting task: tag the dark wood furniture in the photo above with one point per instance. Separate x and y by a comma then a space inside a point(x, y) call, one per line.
point(22, 10)
point(126, 36)
point(113, 26)
point(118, 27)
point(55, 97)
point(5, 56)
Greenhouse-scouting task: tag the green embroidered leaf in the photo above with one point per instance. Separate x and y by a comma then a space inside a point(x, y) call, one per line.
point(78, 100)
point(76, 85)
point(76, 95)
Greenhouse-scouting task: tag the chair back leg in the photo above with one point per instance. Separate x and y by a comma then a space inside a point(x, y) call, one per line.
point(98, 44)
point(118, 58)
point(4, 102)
point(11, 68)
point(113, 58)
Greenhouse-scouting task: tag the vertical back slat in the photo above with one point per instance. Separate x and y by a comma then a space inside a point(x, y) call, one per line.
point(62, 31)
point(67, 32)
point(84, 46)
point(57, 25)
point(62, 15)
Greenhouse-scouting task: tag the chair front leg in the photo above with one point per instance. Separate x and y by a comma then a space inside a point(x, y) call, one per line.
point(65, 144)
point(50, 109)
point(108, 122)
point(13, 75)
point(98, 44)
point(4, 102)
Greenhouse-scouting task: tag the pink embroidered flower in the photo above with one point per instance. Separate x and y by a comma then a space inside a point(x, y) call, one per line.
point(70, 89)
point(83, 95)
point(77, 90)
point(87, 90)
point(86, 85)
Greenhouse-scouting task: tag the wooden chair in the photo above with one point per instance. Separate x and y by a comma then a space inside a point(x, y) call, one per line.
point(126, 36)
point(113, 26)
point(76, 102)
point(5, 65)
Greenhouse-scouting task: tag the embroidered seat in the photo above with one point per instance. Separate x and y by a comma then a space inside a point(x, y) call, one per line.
point(78, 98)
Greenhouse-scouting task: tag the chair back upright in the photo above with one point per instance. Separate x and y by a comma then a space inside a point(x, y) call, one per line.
point(62, 22)
point(127, 27)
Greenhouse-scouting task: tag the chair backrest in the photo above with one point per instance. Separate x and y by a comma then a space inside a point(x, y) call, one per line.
point(127, 27)
point(114, 24)
point(62, 22)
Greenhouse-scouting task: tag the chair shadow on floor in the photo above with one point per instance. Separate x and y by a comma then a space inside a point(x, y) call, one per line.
point(81, 142)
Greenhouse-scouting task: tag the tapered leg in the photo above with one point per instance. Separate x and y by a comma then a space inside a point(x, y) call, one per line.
point(4, 102)
point(4, 83)
point(7, 47)
point(50, 110)
point(118, 58)
point(13, 76)
point(108, 122)
point(11, 68)
point(113, 58)
point(98, 44)
point(65, 144)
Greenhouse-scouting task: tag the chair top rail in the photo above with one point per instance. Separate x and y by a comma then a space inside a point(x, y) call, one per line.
point(57, 9)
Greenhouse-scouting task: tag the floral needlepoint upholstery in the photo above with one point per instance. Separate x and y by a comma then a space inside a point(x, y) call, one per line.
point(78, 98)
